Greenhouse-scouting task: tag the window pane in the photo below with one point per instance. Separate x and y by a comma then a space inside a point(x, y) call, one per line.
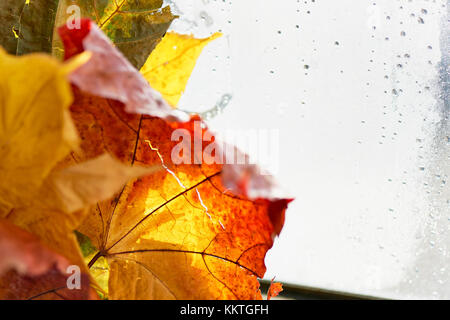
point(356, 93)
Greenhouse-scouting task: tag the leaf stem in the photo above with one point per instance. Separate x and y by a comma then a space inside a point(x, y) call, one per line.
point(95, 258)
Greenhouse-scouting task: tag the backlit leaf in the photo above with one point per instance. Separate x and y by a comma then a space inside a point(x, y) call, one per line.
point(109, 74)
point(178, 234)
point(170, 65)
point(135, 26)
point(274, 289)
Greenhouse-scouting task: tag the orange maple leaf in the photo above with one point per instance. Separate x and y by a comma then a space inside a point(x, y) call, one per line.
point(274, 289)
point(180, 233)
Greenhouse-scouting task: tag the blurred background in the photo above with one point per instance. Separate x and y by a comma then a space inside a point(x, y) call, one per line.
point(358, 94)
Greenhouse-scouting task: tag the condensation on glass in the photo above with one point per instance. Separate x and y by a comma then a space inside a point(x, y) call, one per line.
point(359, 92)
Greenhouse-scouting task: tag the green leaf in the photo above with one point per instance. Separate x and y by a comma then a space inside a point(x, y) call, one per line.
point(86, 246)
point(27, 25)
point(100, 269)
point(135, 26)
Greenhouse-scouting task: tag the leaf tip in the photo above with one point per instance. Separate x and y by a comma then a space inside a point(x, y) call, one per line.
point(75, 62)
point(274, 289)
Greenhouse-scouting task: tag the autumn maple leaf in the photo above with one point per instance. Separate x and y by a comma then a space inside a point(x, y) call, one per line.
point(36, 133)
point(135, 27)
point(274, 289)
point(170, 65)
point(30, 270)
point(191, 231)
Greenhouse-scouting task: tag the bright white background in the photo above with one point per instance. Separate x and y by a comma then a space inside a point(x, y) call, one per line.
point(357, 90)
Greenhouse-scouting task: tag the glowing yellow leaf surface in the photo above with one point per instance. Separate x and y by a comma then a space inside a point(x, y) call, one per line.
point(35, 126)
point(170, 65)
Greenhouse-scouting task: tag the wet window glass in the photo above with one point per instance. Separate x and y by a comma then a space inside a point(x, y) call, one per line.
point(352, 96)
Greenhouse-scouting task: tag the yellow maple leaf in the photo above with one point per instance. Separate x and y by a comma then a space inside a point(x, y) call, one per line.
point(56, 210)
point(35, 126)
point(170, 65)
point(38, 191)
